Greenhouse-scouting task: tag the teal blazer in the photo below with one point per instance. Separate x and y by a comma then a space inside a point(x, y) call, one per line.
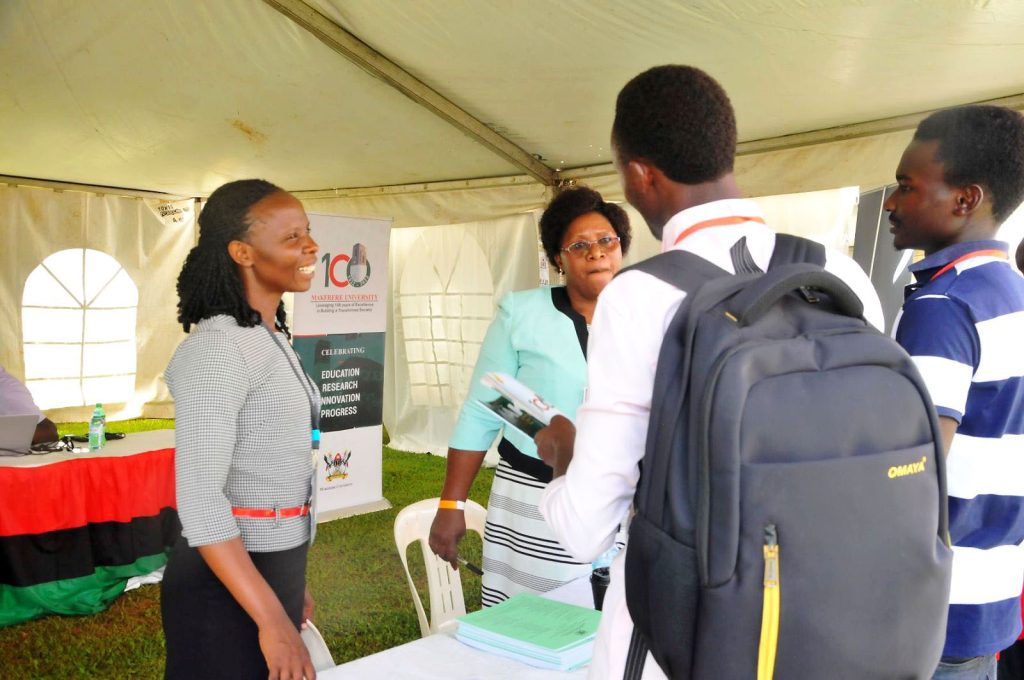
point(537, 338)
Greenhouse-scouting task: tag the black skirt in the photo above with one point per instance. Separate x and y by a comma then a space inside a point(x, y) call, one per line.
point(208, 634)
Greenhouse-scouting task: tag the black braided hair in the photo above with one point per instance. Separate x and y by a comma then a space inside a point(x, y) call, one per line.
point(209, 283)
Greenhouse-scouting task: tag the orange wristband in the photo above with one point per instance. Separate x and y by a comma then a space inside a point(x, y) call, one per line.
point(451, 505)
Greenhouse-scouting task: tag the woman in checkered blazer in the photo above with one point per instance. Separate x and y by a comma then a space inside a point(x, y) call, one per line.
point(234, 594)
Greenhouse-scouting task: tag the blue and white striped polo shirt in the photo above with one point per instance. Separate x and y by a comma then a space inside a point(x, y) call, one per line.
point(964, 327)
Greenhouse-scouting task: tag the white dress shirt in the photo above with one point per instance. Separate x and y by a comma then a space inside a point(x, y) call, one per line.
point(585, 506)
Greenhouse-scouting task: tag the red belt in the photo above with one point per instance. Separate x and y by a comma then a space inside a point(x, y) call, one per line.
point(271, 513)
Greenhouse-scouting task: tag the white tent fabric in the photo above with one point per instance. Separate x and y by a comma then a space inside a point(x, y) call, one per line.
point(179, 96)
point(148, 238)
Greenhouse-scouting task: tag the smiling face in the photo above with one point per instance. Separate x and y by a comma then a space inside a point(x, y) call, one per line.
point(278, 254)
point(589, 271)
point(923, 211)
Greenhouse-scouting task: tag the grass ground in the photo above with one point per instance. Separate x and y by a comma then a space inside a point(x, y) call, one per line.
point(354, 572)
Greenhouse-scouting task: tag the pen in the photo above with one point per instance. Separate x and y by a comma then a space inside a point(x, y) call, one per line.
point(472, 567)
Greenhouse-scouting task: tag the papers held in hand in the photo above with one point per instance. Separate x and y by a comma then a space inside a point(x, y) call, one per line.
point(534, 630)
point(517, 404)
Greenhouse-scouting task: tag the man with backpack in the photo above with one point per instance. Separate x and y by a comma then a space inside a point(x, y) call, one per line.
point(962, 322)
point(674, 139)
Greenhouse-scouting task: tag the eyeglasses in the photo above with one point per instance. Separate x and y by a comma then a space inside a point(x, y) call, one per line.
point(581, 248)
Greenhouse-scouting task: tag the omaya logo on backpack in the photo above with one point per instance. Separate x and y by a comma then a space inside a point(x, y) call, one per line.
point(791, 512)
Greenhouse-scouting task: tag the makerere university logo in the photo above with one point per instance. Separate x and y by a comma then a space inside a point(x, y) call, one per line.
point(337, 467)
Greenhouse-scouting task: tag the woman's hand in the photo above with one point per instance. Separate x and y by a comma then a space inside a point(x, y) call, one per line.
point(445, 533)
point(307, 607)
point(555, 444)
point(450, 525)
point(286, 655)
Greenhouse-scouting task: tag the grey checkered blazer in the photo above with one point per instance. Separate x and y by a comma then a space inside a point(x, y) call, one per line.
point(242, 435)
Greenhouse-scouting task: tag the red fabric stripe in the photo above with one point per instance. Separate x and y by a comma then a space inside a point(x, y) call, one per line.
point(270, 513)
point(81, 491)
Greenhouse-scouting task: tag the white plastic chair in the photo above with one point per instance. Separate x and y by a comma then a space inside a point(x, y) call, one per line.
point(317, 648)
point(444, 583)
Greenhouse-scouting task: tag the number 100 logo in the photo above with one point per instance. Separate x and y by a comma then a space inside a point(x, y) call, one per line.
point(357, 268)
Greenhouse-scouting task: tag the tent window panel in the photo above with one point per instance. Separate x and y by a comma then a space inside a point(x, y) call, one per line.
point(109, 358)
point(415, 305)
point(55, 393)
point(414, 351)
point(120, 292)
point(417, 328)
point(443, 373)
point(43, 290)
point(417, 373)
point(78, 321)
point(453, 328)
point(441, 351)
point(67, 267)
point(474, 330)
point(420, 395)
point(478, 306)
point(455, 354)
point(108, 389)
point(105, 325)
point(100, 271)
point(453, 306)
point(437, 328)
point(53, 361)
point(51, 325)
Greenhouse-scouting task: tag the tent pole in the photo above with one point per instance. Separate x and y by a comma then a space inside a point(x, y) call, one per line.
point(866, 129)
point(87, 188)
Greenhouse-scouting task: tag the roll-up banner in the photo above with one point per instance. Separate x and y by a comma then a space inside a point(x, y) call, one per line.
point(338, 332)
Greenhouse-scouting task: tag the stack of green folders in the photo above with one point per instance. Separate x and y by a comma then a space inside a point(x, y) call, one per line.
point(535, 630)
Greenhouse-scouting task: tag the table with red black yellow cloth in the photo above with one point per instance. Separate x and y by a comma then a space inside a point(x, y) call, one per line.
point(75, 527)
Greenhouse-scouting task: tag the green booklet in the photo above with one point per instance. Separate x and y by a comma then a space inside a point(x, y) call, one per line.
point(534, 630)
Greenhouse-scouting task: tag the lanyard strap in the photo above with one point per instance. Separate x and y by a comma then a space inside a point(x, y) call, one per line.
point(977, 253)
point(716, 222)
point(307, 387)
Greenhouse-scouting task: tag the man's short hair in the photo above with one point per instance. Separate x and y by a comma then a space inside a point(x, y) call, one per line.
point(984, 145)
point(680, 119)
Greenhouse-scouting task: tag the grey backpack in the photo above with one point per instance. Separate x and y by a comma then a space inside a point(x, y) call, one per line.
point(791, 512)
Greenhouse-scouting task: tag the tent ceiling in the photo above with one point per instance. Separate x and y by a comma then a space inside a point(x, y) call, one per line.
point(182, 95)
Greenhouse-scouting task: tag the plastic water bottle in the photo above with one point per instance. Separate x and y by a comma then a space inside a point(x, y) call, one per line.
point(97, 429)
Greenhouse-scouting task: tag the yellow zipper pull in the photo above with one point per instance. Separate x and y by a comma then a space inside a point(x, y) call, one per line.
point(770, 609)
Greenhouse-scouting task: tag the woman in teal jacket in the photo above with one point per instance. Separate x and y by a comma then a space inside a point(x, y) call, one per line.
point(538, 336)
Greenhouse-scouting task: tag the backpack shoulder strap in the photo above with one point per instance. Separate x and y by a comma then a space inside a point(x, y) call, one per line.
point(791, 249)
point(680, 268)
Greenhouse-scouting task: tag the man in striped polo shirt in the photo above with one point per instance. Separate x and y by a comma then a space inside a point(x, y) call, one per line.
point(962, 321)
